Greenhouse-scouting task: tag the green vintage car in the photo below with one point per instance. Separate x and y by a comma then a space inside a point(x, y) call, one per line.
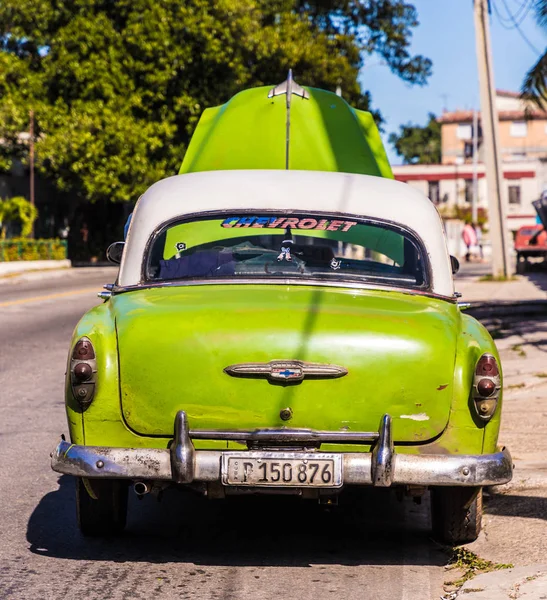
point(284, 320)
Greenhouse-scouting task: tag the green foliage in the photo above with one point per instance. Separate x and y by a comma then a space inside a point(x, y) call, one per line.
point(383, 27)
point(463, 213)
point(419, 145)
point(471, 565)
point(117, 87)
point(25, 249)
point(17, 210)
point(535, 82)
point(498, 278)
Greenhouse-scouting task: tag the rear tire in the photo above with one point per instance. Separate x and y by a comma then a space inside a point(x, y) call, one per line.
point(456, 514)
point(522, 264)
point(104, 515)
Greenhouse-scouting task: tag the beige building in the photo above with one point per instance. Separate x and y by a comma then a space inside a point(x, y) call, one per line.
point(523, 139)
point(522, 130)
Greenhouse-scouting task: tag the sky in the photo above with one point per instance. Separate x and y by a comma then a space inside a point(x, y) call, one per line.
point(446, 35)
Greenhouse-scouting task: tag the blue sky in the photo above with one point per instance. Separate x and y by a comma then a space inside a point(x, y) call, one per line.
point(446, 35)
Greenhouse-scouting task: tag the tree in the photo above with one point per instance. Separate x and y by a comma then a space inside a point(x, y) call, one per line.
point(419, 145)
point(535, 86)
point(117, 87)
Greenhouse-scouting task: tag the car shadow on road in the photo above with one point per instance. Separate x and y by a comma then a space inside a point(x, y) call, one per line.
point(517, 505)
point(368, 527)
point(538, 277)
point(533, 326)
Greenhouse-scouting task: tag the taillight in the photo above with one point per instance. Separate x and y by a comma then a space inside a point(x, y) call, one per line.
point(83, 350)
point(83, 372)
point(486, 386)
point(487, 366)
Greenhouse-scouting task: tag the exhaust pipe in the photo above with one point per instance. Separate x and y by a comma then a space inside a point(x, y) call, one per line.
point(141, 488)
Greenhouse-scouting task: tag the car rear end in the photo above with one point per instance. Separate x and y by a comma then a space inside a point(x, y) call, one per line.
point(294, 349)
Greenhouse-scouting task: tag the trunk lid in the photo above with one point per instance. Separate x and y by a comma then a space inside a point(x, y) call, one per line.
point(174, 343)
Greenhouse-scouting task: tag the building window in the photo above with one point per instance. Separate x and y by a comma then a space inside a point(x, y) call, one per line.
point(434, 192)
point(469, 190)
point(468, 149)
point(464, 131)
point(518, 129)
point(514, 194)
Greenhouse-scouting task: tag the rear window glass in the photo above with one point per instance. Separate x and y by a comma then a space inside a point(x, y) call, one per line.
point(530, 231)
point(249, 246)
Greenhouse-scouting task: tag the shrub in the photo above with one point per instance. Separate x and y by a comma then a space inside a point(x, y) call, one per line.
point(17, 210)
point(25, 249)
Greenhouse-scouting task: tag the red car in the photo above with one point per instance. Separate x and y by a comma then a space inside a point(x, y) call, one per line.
point(530, 241)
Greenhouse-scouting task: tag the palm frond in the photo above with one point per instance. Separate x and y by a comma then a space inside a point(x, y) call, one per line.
point(541, 12)
point(535, 83)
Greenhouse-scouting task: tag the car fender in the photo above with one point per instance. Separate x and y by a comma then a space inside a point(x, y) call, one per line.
point(99, 327)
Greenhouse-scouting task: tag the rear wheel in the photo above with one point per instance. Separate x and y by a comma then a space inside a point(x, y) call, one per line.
point(456, 514)
point(101, 506)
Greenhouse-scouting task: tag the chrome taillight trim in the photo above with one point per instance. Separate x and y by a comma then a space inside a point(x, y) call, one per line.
point(485, 406)
point(83, 390)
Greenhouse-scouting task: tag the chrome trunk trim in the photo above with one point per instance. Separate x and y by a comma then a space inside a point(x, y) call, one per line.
point(285, 436)
point(286, 371)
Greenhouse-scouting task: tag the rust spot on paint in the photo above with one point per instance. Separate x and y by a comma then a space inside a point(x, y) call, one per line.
point(442, 387)
point(433, 448)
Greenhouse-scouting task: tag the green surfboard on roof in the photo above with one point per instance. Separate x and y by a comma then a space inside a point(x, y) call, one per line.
point(287, 127)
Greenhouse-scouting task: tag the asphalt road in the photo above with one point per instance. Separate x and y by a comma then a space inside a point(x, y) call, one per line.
point(369, 547)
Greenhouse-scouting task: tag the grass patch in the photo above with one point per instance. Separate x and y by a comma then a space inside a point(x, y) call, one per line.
point(542, 374)
point(498, 278)
point(516, 386)
point(471, 564)
point(518, 349)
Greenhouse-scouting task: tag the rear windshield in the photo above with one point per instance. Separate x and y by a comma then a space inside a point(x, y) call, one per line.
point(298, 246)
point(529, 231)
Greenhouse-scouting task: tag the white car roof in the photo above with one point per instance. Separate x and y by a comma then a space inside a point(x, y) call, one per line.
point(309, 191)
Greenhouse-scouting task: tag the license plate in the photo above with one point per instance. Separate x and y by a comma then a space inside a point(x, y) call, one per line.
point(281, 469)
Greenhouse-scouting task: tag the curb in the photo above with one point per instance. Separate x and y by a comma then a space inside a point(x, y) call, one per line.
point(16, 267)
point(521, 308)
point(53, 274)
point(527, 582)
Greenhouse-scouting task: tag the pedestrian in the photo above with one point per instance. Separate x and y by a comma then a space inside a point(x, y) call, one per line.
point(478, 235)
point(469, 239)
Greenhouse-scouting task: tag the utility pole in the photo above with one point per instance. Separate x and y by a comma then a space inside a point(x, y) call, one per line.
point(475, 197)
point(31, 160)
point(489, 119)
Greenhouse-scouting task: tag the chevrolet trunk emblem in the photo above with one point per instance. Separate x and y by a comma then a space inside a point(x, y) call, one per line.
point(286, 370)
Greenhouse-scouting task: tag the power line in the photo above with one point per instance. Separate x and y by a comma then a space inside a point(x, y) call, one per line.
point(519, 15)
point(515, 24)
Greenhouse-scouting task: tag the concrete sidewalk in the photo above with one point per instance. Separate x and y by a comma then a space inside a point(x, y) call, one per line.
point(51, 275)
point(473, 288)
point(21, 266)
point(528, 583)
point(514, 523)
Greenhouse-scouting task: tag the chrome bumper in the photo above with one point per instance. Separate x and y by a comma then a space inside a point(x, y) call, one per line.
point(382, 467)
